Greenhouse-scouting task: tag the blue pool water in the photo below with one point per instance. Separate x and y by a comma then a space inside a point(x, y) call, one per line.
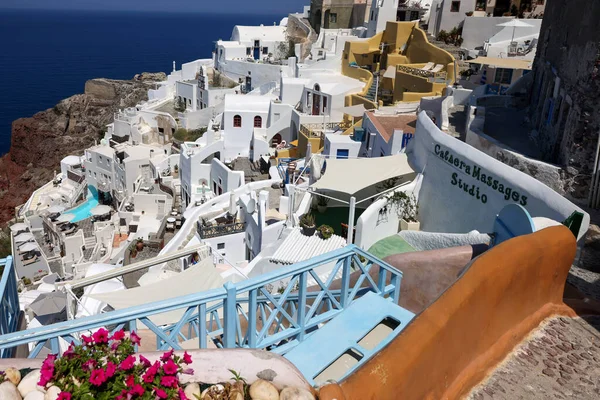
point(83, 211)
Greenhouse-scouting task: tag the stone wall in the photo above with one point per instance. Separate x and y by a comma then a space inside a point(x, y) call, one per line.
point(566, 92)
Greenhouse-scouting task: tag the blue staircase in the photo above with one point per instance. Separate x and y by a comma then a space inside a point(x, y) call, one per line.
point(372, 90)
point(343, 334)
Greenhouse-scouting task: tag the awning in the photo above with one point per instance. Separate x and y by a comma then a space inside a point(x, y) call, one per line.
point(18, 227)
point(23, 237)
point(353, 111)
point(352, 175)
point(390, 72)
point(502, 62)
point(193, 280)
point(27, 247)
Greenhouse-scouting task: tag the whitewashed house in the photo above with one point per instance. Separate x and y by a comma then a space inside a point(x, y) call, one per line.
point(381, 12)
point(384, 135)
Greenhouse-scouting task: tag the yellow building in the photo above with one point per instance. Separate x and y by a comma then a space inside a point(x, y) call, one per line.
point(409, 67)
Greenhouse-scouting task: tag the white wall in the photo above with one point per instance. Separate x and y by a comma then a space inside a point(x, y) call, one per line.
point(445, 205)
point(260, 73)
point(441, 18)
point(234, 247)
point(224, 178)
point(476, 30)
point(151, 204)
point(380, 13)
point(187, 92)
point(333, 144)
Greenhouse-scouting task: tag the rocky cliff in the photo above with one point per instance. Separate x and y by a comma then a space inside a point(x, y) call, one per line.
point(39, 143)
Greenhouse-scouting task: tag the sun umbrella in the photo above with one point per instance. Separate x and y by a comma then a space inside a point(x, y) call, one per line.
point(23, 237)
point(50, 307)
point(55, 209)
point(515, 23)
point(29, 247)
point(66, 218)
point(19, 227)
point(100, 210)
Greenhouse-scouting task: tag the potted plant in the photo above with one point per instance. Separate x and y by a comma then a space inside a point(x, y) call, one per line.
point(407, 208)
point(133, 251)
point(322, 204)
point(307, 223)
point(325, 231)
point(139, 244)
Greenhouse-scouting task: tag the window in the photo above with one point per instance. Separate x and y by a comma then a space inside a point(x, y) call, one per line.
point(372, 15)
point(161, 130)
point(248, 51)
point(414, 15)
point(503, 76)
point(265, 50)
point(324, 104)
point(257, 122)
point(455, 6)
point(257, 43)
point(376, 58)
point(333, 17)
point(190, 102)
point(237, 121)
point(220, 246)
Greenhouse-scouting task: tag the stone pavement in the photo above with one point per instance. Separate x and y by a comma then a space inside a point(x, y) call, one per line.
point(587, 282)
point(559, 360)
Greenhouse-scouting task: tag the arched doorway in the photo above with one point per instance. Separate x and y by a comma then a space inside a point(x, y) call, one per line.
point(276, 140)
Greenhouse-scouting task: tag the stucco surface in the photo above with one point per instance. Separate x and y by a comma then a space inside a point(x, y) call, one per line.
point(451, 346)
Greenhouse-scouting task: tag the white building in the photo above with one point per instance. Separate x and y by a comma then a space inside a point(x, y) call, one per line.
point(341, 146)
point(242, 115)
point(448, 14)
point(381, 12)
point(384, 135)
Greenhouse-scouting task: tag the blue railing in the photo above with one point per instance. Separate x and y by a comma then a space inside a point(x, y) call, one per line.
point(9, 304)
point(274, 311)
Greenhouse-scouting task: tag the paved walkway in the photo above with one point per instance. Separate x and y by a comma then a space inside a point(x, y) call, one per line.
point(560, 360)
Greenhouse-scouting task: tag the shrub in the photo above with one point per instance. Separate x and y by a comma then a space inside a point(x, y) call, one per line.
point(106, 367)
point(326, 231)
point(26, 281)
point(307, 220)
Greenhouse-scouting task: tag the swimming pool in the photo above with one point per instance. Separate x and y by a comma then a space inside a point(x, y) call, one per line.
point(83, 210)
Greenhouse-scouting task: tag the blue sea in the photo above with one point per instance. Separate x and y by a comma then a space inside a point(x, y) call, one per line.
point(48, 55)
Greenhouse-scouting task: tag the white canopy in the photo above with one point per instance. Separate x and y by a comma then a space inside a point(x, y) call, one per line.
point(100, 210)
point(29, 247)
point(19, 227)
point(23, 237)
point(352, 175)
point(516, 23)
point(66, 218)
point(354, 111)
point(193, 280)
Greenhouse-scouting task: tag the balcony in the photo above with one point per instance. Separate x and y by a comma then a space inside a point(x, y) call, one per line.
point(212, 231)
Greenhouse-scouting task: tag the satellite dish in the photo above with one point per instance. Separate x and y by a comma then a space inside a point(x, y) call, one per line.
point(251, 206)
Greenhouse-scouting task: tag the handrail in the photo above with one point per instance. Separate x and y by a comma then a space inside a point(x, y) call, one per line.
point(252, 316)
point(9, 304)
point(207, 232)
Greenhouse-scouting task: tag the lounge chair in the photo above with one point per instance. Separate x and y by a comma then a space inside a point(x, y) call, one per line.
point(30, 261)
point(428, 66)
point(437, 68)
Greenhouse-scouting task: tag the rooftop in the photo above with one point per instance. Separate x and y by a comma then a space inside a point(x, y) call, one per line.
point(386, 124)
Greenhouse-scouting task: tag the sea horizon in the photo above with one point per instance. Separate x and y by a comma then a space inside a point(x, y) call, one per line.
point(50, 54)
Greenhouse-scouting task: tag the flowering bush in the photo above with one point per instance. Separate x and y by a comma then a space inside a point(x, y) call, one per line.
point(106, 367)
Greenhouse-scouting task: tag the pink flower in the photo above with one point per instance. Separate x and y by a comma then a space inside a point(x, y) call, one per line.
point(182, 395)
point(89, 364)
point(97, 378)
point(100, 336)
point(87, 339)
point(137, 389)
point(130, 381)
point(69, 353)
point(119, 335)
point(127, 363)
point(167, 356)
point(110, 369)
point(135, 339)
point(188, 371)
point(64, 396)
point(168, 381)
point(45, 376)
point(187, 359)
point(170, 368)
point(148, 377)
point(145, 362)
point(160, 393)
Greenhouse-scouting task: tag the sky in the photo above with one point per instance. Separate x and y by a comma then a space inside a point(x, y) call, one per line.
point(215, 6)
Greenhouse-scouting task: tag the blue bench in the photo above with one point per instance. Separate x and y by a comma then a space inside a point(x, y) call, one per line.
point(342, 334)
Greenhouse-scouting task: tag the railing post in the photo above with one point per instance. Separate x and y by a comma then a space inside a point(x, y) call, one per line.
point(345, 281)
point(202, 332)
point(302, 305)
point(229, 326)
point(252, 305)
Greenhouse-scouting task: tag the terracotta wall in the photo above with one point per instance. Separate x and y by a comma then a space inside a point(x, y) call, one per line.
point(451, 346)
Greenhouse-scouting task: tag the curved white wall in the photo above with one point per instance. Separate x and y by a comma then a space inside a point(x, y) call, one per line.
point(463, 189)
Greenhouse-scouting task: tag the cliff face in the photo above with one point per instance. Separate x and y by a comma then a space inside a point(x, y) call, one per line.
point(39, 143)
